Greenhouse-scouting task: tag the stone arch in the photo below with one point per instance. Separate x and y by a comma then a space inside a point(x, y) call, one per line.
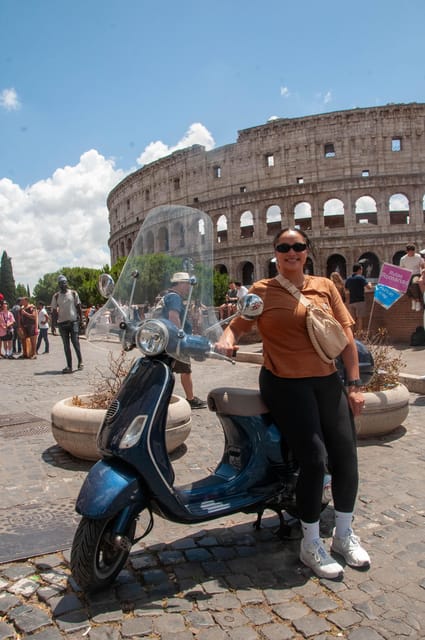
point(247, 271)
point(309, 266)
point(129, 245)
point(122, 248)
point(163, 240)
point(177, 239)
point(366, 211)
point(271, 268)
point(302, 216)
point(222, 235)
point(333, 213)
point(336, 262)
point(397, 257)
point(273, 219)
point(221, 268)
point(247, 224)
point(150, 242)
point(398, 205)
point(371, 265)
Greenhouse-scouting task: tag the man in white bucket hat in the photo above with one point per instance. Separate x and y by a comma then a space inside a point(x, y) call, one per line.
point(174, 310)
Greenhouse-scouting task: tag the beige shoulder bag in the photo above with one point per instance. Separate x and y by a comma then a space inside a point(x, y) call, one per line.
point(325, 332)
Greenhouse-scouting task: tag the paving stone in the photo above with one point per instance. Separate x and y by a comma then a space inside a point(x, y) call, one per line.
point(290, 611)
point(230, 619)
point(24, 587)
point(6, 631)
point(73, 621)
point(219, 602)
point(321, 604)
point(178, 605)
point(69, 602)
point(17, 571)
point(145, 561)
point(364, 633)
point(169, 623)
point(311, 625)
point(214, 586)
point(104, 633)
point(277, 631)
point(344, 619)
point(258, 615)
point(180, 635)
point(243, 633)
point(100, 614)
point(199, 619)
point(130, 592)
point(28, 618)
point(48, 633)
point(212, 634)
point(137, 627)
point(250, 596)
point(198, 555)
point(7, 602)
point(171, 557)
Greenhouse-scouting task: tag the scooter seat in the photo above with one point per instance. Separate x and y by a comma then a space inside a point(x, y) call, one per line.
point(236, 402)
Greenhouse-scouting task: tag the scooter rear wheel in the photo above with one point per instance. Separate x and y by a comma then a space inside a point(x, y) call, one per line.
point(96, 559)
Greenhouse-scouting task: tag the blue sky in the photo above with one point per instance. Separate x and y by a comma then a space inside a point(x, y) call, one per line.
point(93, 89)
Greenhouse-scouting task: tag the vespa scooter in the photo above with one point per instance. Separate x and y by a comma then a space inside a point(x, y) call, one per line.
point(135, 473)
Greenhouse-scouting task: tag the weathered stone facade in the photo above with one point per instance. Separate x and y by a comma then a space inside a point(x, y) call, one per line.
point(355, 180)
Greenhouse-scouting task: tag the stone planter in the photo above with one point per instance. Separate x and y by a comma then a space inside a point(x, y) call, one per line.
point(75, 428)
point(384, 411)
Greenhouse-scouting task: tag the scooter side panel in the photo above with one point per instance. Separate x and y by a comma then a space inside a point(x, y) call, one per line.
point(109, 488)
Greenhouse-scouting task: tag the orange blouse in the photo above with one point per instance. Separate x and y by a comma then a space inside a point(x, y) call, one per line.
point(287, 349)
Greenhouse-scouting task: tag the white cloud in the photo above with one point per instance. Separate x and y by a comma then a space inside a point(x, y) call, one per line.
point(60, 221)
point(196, 134)
point(9, 100)
point(327, 97)
point(284, 91)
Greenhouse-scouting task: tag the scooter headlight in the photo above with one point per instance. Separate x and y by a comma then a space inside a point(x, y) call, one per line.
point(152, 337)
point(133, 432)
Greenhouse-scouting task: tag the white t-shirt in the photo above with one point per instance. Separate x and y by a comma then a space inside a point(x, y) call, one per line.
point(414, 263)
point(43, 319)
point(242, 291)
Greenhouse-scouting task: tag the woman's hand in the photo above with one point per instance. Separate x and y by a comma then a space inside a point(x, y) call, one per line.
point(226, 346)
point(356, 400)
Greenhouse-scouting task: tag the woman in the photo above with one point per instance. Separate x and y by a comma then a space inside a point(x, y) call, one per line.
point(339, 283)
point(7, 321)
point(28, 323)
point(307, 400)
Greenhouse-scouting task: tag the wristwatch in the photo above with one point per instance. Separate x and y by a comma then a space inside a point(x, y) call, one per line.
point(354, 383)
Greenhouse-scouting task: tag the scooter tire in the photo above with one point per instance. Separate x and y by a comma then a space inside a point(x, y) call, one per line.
point(95, 559)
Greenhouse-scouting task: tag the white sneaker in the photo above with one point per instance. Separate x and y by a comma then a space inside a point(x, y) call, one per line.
point(315, 556)
point(413, 305)
point(351, 550)
point(418, 306)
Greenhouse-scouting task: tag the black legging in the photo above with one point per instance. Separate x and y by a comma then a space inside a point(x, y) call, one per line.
point(315, 420)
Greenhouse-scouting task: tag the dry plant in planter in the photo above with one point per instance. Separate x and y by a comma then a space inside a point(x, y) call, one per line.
point(106, 385)
point(388, 363)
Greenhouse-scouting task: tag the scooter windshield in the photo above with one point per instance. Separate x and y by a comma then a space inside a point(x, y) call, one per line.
point(173, 252)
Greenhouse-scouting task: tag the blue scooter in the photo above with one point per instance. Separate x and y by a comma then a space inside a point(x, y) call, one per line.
point(135, 473)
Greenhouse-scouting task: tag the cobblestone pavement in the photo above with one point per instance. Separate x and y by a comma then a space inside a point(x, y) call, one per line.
point(223, 580)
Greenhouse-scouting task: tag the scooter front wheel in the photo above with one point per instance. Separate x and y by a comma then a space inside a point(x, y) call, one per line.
point(97, 556)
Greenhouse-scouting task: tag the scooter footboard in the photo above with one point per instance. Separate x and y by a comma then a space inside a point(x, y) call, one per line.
point(110, 487)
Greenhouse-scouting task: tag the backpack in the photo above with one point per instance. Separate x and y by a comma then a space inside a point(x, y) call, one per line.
point(417, 339)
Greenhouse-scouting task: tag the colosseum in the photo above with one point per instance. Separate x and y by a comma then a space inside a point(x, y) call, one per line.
point(355, 180)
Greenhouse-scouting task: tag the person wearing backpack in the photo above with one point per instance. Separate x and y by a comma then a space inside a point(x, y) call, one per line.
point(173, 309)
point(68, 305)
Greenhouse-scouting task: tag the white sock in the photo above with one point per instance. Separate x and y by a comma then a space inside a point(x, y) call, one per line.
point(310, 531)
point(343, 523)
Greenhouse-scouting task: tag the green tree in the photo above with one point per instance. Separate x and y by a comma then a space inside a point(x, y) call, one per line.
point(221, 285)
point(7, 281)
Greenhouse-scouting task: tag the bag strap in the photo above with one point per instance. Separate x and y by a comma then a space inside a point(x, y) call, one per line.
point(287, 284)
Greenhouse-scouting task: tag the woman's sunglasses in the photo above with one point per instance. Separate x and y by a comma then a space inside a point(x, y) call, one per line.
point(285, 247)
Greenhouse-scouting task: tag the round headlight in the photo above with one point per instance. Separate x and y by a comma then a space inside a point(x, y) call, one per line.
point(152, 337)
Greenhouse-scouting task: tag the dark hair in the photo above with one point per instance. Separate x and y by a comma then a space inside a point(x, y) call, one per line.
point(410, 247)
point(300, 231)
point(357, 266)
point(237, 283)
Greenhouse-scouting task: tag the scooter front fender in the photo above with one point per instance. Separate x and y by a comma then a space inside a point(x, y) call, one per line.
point(110, 487)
